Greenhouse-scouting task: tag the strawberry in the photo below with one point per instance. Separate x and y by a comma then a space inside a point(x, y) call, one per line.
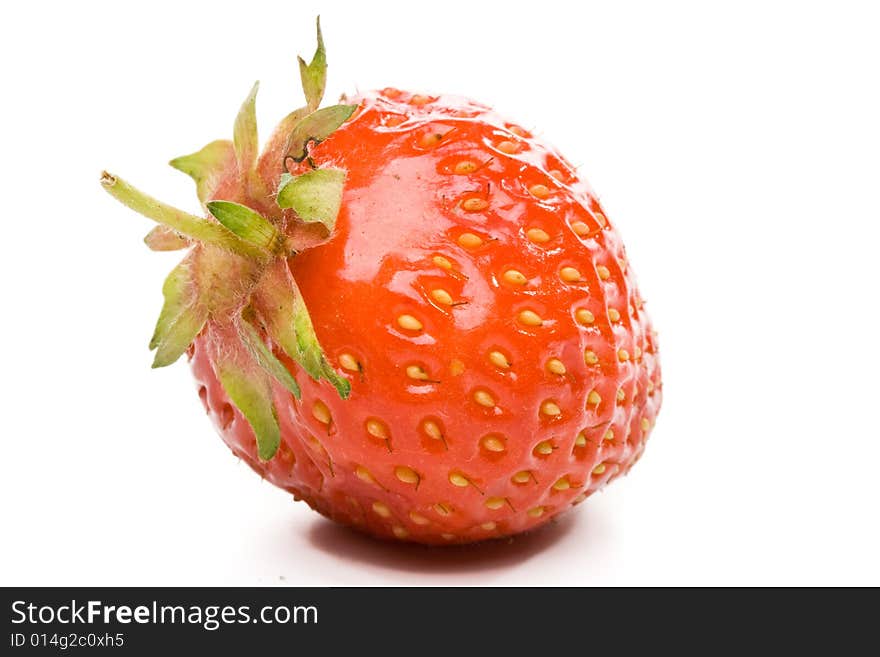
point(408, 312)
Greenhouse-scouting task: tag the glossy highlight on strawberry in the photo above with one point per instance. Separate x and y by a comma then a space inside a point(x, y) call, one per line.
point(475, 358)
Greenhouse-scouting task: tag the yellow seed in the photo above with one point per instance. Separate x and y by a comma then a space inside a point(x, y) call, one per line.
point(364, 475)
point(376, 429)
point(590, 357)
point(458, 479)
point(399, 531)
point(562, 484)
point(418, 518)
point(599, 469)
point(603, 272)
point(650, 387)
point(536, 512)
point(493, 443)
point(381, 509)
point(530, 318)
point(580, 498)
point(406, 475)
point(569, 274)
point(409, 323)
point(321, 412)
point(509, 147)
point(581, 440)
point(456, 367)
point(609, 435)
point(416, 372)
point(430, 139)
point(621, 395)
point(488, 526)
point(441, 296)
point(522, 477)
point(442, 262)
point(349, 362)
point(637, 353)
point(551, 408)
point(557, 174)
point(465, 166)
point(432, 429)
point(646, 424)
point(539, 191)
point(447, 537)
point(443, 509)
point(580, 228)
point(419, 99)
point(555, 366)
point(470, 241)
point(593, 398)
point(613, 315)
point(498, 359)
point(537, 235)
point(622, 355)
point(600, 219)
point(495, 503)
point(474, 204)
point(483, 398)
point(515, 277)
point(584, 316)
point(545, 448)
point(519, 132)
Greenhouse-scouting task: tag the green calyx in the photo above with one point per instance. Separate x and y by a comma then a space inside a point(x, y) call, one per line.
point(234, 286)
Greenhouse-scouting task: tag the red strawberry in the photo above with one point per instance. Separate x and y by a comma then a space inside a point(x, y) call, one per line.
point(474, 308)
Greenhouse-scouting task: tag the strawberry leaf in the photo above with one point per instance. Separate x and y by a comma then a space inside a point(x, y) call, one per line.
point(244, 136)
point(182, 316)
point(316, 127)
point(314, 74)
point(284, 313)
point(206, 166)
point(249, 389)
point(197, 228)
point(251, 338)
point(315, 195)
point(250, 226)
point(162, 238)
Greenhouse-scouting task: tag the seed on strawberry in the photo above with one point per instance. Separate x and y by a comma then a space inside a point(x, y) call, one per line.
point(555, 366)
point(470, 240)
point(407, 312)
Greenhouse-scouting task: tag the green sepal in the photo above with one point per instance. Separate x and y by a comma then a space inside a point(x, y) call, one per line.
point(249, 389)
point(272, 157)
point(316, 195)
point(244, 136)
point(182, 316)
point(206, 165)
point(314, 74)
point(197, 228)
point(287, 321)
point(247, 224)
point(163, 238)
point(316, 127)
point(252, 339)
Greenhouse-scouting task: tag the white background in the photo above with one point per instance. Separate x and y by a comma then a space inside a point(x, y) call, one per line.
point(735, 145)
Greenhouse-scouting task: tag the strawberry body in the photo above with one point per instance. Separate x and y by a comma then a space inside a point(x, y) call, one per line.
point(502, 366)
